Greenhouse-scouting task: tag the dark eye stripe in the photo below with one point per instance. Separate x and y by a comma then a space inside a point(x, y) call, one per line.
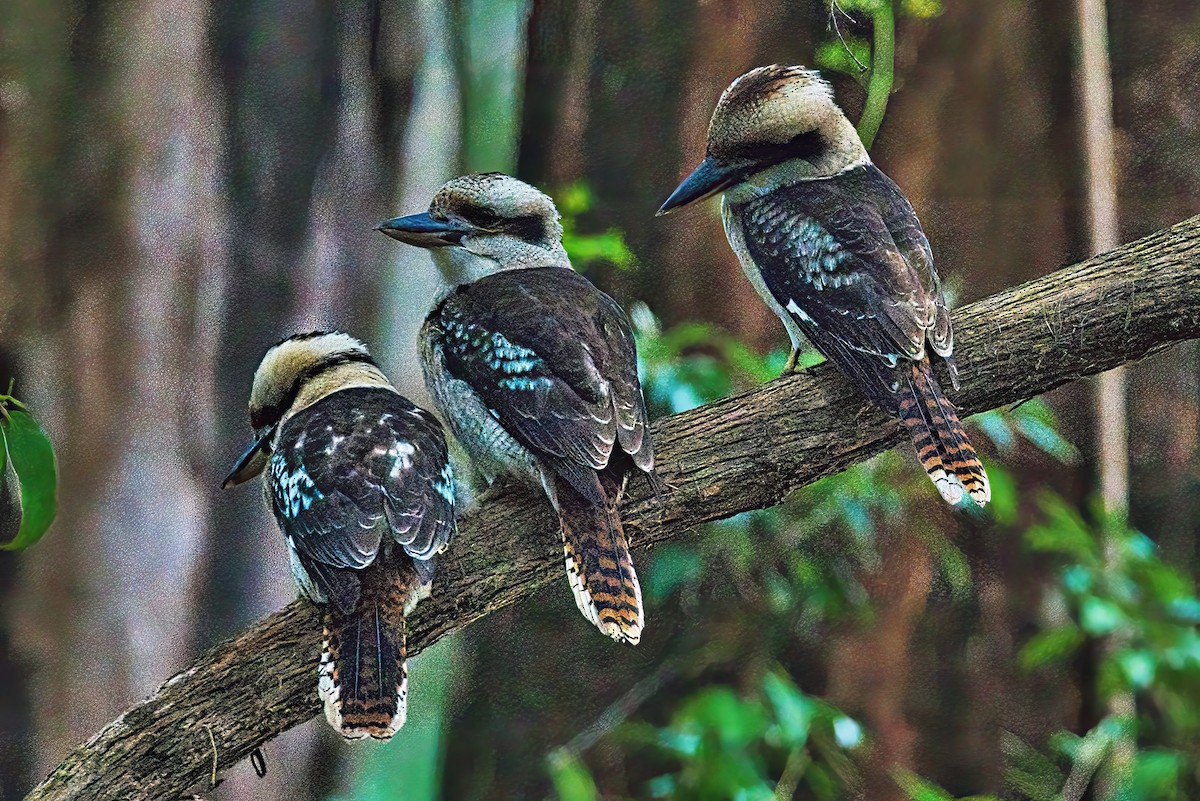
point(531, 228)
point(483, 218)
point(805, 145)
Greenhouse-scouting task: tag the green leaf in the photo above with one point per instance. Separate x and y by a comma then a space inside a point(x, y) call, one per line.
point(719, 711)
point(1028, 770)
point(996, 428)
point(921, 9)
point(792, 709)
point(1099, 616)
point(1037, 422)
point(918, 789)
point(1185, 609)
point(32, 457)
point(1050, 646)
point(572, 781)
point(1063, 532)
point(1140, 666)
point(839, 55)
point(1156, 774)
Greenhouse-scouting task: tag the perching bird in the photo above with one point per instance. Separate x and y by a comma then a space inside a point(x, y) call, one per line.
point(836, 250)
point(359, 481)
point(535, 371)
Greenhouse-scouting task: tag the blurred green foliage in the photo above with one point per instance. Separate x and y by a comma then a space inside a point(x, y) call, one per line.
point(763, 737)
point(1114, 600)
point(721, 743)
point(587, 250)
point(28, 477)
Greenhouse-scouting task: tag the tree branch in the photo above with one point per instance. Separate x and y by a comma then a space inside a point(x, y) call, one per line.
point(746, 452)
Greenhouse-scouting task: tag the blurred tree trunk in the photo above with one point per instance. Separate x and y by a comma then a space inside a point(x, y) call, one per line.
point(871, 671)
point(1094, 88)
point(1157, 135)
point(116, 246)
point(181, 188)
point(310, 178)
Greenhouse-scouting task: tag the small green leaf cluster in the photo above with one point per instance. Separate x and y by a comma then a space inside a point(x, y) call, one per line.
point(1116, 597)
point(28, 477)
point(721, 743)
point(587, 250)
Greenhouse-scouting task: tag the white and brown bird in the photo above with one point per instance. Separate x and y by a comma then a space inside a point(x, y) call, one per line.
point(835, 249)
point(359, 481)
point(535, 371)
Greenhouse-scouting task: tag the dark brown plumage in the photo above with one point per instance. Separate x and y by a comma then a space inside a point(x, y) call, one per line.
point(552, 360)
point(358, 479)
point(847, 257)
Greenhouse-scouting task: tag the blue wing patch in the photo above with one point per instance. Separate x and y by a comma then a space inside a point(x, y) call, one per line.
point(293, 487)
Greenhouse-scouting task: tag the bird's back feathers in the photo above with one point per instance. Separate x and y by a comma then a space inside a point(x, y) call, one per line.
point(357, 467)
point(847, 260)
point(553, 358)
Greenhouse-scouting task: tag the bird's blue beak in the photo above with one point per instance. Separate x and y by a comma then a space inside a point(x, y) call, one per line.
point(253, 461)
point(424, 231)
point(711, 177)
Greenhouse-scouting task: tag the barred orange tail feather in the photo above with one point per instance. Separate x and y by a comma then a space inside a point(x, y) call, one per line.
point(599, 566)
point(940, 439)
point(363, 676)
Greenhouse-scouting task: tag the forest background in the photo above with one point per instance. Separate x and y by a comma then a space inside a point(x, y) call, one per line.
point(183, 184)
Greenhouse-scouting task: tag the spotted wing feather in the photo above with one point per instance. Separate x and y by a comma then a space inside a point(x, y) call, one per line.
point(553, 358)
point(846, 257)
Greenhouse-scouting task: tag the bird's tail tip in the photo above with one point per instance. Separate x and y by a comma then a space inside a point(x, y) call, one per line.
point(941, 441)
point(600, 570)
point(365, 693)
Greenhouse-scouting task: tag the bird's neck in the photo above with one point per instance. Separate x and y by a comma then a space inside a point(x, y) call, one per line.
point(459, 265)
point(335, 379)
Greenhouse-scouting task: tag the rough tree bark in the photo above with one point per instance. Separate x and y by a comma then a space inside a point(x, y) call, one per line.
point(741, 453)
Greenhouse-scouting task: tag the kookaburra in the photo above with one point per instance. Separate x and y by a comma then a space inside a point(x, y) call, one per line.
point(359, 482)
point(535, 371)
point(836, 250)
